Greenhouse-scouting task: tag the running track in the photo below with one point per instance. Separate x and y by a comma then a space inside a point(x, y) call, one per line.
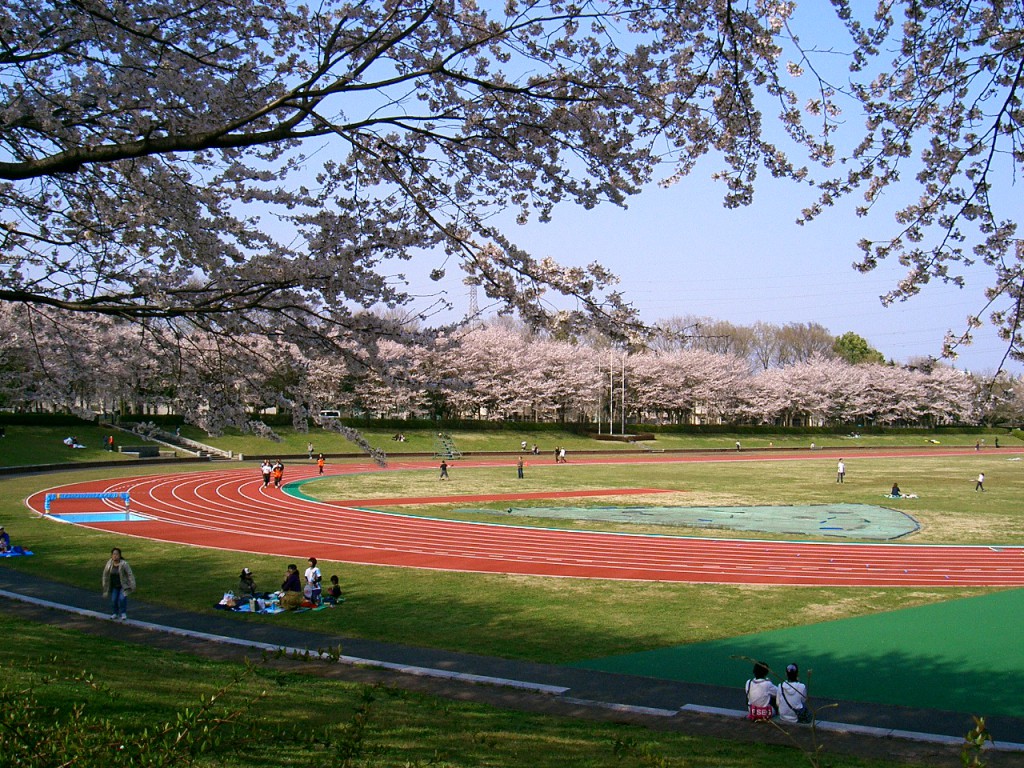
point(229, 509)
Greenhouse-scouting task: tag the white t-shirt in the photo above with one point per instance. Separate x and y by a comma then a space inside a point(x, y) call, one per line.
point(760, 692)
point(791, 697)
point(312, 575)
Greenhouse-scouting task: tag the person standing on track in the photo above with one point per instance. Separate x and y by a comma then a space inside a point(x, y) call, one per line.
point(266, 470)
point(320, 461)
point(278, 473)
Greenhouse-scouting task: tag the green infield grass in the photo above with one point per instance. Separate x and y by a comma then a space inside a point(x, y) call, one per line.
point(947, 507)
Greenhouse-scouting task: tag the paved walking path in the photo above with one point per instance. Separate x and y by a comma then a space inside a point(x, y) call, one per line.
point(655, 702)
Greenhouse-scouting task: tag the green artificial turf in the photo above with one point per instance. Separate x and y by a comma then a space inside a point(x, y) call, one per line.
point(962, 655)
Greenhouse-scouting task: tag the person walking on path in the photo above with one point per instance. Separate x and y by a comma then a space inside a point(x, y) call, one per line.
point(118, 583)
point(840, 471)
point(444, 470)
point(980, 484)
point(309, 447)
point(278, 473)
point(561, 456)
point(519, 468)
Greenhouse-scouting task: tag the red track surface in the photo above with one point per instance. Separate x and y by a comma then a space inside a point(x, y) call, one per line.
point(231, 510)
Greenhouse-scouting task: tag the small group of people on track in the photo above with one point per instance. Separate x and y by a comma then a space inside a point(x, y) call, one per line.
point(272, 472)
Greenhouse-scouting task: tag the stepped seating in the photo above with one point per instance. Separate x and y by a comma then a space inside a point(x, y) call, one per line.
point(444, 447)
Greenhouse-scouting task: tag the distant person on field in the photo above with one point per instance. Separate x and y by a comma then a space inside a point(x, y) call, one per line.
point(895, 492)
point(561, 455)
point(997, 441)
point(738, 445)
point(309, 449)
point(792, 698)
point(980, 484)
point(522, 445)
point(444, 470)
point(5, 540)
point(840, 471)
point(118, 583)
point(519, 468)
point(761, 693)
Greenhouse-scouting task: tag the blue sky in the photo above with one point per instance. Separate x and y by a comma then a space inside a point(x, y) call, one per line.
point(678, 252)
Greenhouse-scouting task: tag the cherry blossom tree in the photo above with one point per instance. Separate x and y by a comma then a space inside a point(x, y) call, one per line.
point(687, 383)
point(247, 165)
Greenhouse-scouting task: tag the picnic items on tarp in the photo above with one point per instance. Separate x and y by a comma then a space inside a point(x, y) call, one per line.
point(240, 604)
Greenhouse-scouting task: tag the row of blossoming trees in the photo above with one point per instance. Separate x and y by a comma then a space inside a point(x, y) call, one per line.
point(496, 371)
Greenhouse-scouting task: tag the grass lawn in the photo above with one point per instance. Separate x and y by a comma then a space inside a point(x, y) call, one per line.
point(509, 440)
point(28, 446)
point(293, 717)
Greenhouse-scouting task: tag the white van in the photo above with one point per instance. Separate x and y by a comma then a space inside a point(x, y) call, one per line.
point(328, 415)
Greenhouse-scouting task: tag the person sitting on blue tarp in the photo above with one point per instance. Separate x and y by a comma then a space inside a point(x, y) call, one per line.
point(5, 540)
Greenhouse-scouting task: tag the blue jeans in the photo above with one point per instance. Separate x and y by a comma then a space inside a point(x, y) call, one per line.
point(118, 601)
